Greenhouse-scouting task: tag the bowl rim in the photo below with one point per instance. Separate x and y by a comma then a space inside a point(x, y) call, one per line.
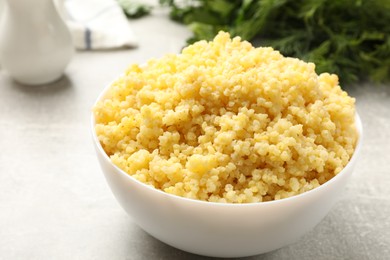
point(351, 162)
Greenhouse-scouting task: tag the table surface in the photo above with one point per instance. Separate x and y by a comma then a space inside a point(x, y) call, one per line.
point(55, 204)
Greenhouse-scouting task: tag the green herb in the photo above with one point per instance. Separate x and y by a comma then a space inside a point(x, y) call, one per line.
point(134, 9)
point(348, 37)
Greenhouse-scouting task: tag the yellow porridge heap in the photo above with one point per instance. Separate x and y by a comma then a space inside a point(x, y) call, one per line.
point(226, 122)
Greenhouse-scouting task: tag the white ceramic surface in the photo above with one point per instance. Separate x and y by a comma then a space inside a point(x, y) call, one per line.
point(35, 44)
point(222, 230)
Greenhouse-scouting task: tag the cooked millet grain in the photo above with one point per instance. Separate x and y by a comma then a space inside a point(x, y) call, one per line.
point(226, 122)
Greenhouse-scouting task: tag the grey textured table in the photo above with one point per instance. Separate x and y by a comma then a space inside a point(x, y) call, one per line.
point(55, 204)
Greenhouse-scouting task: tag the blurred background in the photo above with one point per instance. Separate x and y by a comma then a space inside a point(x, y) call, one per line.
point(54, 202)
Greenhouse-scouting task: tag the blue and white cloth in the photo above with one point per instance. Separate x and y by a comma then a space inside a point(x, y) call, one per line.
point(97, 24)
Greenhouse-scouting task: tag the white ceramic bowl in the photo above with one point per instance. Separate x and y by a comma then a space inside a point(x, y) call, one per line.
point(222, 230)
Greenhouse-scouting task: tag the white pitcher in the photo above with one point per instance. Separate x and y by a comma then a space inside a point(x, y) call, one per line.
point(35, 44)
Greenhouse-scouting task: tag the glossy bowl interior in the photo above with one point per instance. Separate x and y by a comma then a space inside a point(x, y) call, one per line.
point(217, 229)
